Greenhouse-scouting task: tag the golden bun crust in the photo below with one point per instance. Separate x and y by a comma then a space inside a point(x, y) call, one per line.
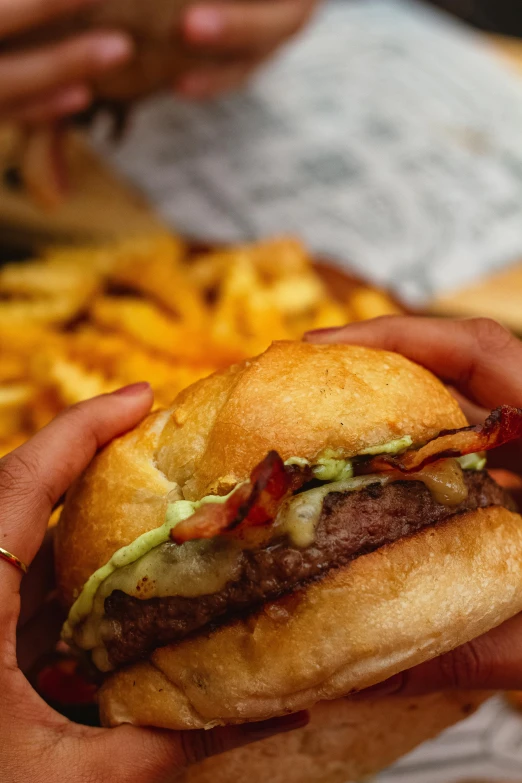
point(403, 604)
point(119, 496)
point(296, 398)
point(299, 399)
point(344, 741)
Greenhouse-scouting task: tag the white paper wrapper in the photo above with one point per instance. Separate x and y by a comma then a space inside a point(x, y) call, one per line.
point(388, 136)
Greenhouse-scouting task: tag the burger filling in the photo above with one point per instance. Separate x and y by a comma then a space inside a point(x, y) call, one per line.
point(350, 524)
point(291, 523)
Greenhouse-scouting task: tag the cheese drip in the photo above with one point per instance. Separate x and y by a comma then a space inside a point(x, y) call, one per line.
point(445, 481)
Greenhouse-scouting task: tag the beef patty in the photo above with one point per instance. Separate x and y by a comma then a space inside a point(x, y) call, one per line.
point(351, 524)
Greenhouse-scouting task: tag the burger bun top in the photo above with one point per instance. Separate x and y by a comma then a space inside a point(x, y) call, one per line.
point(299, 399)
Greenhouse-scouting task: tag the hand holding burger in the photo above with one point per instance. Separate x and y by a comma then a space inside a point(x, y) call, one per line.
point(378, 576)
point(36, 743)
point(301, 526)
point(483, 362)
point(52, 80)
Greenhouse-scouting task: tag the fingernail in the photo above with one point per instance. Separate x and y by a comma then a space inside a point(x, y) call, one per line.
point(133, 390)
point(313, 333)
point(267, 728)
point(204, 24)
point(112, 48)
point(387, 688)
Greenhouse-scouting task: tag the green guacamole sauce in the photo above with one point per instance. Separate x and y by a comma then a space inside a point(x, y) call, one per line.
point(327, 468)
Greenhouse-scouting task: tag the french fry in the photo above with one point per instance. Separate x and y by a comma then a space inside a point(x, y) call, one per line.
point(327, 314)
point(147, 325)
point(154, 268)
point(370, 303)
point(72, 382)
point(38, 279)
point(83, 321)
point(14, 399)
point(298, 294)
point(43, 311)
point(280, 257)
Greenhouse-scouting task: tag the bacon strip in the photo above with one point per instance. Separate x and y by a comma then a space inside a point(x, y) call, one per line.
point(254, 503)
point(258, 501)
point(502, 426)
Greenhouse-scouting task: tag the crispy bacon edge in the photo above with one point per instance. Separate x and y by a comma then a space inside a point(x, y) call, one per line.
point(257, 501)
point(503, 425)
point(254, 503)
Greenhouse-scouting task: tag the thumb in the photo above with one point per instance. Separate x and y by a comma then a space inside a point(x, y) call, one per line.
point(150, 755)
point(491, 662)
point(34, 476)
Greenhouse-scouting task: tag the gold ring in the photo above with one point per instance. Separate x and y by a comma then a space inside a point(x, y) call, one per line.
point(9, 558)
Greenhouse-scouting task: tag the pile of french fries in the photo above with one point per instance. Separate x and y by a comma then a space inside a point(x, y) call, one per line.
point(78, 322)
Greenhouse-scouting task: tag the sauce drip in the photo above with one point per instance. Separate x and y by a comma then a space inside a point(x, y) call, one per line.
point(444, 480)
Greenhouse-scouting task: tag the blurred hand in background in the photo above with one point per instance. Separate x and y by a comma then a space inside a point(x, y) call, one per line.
point(241, 34)
point(482, 361)
point(43, 83)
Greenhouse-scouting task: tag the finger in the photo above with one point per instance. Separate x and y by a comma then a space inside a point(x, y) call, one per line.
point(40, 635)
point(31, 73)
point(144, 755)
point(24, 14)
point(510, 481)
point(39, 582)
point(214, 81)
point(244, 26)
point(477, 356)
point(491, 662)
point(34, 476)
point(52, 106)
point(43, 164)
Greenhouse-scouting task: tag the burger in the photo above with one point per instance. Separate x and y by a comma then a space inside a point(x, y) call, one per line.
point(293, 529)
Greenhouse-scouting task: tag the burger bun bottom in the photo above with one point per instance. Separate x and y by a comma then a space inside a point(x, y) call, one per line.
point(385, 612)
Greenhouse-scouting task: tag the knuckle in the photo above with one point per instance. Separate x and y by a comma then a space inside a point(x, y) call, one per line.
point(464, 667)
point(77, 56)
point(80, 420)
point(491, 337)
point(18, 473)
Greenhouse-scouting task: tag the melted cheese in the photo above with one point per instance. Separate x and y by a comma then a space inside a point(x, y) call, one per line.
point(445, 481)
point(193, 569)
point(176, 513)
point(152, 566)
point(197, 568)
point(298, 517)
